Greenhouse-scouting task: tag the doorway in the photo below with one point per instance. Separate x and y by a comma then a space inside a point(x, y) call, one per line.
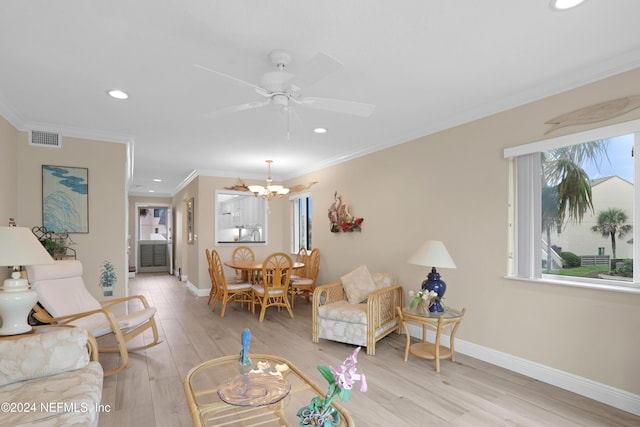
point(154, 237)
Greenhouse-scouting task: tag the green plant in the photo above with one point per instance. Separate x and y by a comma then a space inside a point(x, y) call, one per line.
point(49, 244)
point(341, 381)
point(570, 260)
point(108, 277)
point(626, 270)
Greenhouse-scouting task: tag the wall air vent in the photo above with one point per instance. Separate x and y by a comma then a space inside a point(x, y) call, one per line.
point(44, 139)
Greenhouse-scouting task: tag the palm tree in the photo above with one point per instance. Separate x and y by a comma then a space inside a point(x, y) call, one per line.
point(611, 222)
point(566, 187)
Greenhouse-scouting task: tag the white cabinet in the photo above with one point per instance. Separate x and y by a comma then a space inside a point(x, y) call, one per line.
point(240, 218)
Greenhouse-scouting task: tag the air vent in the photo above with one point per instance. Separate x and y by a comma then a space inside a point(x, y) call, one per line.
point(44, 139)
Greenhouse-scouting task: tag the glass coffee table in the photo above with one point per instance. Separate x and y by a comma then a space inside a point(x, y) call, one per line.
point(269, 392)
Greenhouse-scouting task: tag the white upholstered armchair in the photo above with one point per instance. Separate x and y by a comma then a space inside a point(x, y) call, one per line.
point(360, 309)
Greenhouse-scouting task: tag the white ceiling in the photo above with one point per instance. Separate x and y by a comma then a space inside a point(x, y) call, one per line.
point(427, 65)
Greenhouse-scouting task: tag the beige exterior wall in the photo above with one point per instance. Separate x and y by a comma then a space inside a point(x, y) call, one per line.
point(616, 193)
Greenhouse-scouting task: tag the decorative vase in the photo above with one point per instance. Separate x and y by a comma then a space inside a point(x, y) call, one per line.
point(423, 307)
point(436, 307)
point(315, 414)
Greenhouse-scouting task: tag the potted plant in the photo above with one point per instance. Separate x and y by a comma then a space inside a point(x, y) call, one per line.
point(108, 278)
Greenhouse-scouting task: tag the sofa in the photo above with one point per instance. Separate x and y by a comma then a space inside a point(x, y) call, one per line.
point(50, 378)
point(360, 309)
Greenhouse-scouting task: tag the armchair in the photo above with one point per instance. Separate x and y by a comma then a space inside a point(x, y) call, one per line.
point(361, 323)
point(64, 300)
point(54, 365)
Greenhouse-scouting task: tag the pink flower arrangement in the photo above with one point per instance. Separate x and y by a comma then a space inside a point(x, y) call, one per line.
point(341, 381)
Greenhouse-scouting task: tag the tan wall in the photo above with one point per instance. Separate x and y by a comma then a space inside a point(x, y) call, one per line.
point(453, 186)
point(8, 178)
point(191, 259)
point(106, 240)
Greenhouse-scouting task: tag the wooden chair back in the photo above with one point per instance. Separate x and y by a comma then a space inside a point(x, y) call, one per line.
point(242, 254)
point(211, 277)
point(274, 287)
point(217, 270)
point(276, 272)
point(313, 265)
point(225, 292)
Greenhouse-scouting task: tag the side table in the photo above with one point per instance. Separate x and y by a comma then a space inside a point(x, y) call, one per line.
point(450, 318)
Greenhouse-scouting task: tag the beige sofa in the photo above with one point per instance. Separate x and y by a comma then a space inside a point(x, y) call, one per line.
point(360, 309)
point(50, 378)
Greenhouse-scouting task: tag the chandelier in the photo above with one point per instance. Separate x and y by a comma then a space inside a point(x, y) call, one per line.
point(270, 191)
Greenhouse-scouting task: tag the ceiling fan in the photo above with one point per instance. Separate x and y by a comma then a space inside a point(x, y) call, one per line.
point(284, 89)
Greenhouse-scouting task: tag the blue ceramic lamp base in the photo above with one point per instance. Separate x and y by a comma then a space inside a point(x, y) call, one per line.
point(433, 283)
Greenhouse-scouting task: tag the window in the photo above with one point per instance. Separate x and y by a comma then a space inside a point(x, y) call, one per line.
point(573, 210)
point(241, 218)
point(302, 208)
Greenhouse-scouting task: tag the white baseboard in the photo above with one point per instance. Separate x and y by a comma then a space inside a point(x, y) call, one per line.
point(612, 396)
point(132, 274)
point(197, 291)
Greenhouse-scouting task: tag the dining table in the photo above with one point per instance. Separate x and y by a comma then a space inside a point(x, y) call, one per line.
point(250, 269)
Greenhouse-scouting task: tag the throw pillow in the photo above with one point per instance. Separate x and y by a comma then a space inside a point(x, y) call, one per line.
point(382, 280)
point(358, 284)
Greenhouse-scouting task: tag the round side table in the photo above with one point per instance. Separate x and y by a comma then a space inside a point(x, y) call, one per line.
point(450, 318)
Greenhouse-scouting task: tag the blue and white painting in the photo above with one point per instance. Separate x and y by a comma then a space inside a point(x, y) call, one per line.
point(65, 203)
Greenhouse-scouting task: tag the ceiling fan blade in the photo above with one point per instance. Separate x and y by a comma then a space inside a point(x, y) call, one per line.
point(347, 107)
point(319, 67)
point(237, 108)
point(244, 82)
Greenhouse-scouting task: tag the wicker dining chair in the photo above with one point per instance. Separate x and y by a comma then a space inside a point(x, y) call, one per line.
point(305, 285)
point(242, 254)
point(302, 257)
point(227, 292)
point(211, 277)
point(274, 286)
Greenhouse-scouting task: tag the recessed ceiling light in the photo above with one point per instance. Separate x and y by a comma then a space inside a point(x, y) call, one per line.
point(157, 180)
point(320, 130)
point(564, 4)
point(117, 93)
point(152, 191)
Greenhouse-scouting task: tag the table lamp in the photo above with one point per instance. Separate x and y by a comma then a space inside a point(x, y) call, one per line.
point(18, 246)
point(433, 254)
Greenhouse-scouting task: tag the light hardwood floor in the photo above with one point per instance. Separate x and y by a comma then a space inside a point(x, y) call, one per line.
point(466, 392)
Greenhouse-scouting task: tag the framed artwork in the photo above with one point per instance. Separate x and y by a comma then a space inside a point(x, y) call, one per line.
point(190, 221)
point(65, 199)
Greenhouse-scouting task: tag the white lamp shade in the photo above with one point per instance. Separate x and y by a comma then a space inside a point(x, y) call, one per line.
point(432, 253)
point(19, 246)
